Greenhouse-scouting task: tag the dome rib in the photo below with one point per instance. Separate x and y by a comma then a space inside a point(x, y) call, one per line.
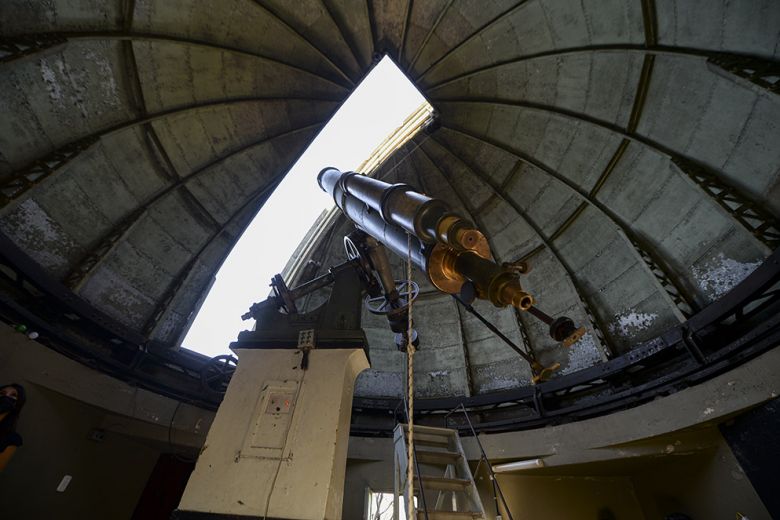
point(39, 169)
point(586, 199)
point(276, 13)
point(239, 219)
point(83, 267)
point(58, 39)
point(668, 273)
point(410, 63)
point(478, 220)
point(452, 50)
point(595, 324)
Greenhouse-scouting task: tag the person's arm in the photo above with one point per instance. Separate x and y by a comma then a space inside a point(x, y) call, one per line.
point(6, 455)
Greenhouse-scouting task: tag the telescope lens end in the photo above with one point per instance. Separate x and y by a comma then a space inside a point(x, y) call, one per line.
point(322, 173)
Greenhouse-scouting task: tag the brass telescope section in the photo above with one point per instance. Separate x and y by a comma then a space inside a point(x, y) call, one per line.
point(449, 269)
point(458, 233)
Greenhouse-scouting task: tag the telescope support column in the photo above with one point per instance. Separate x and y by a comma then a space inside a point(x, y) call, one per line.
point(278, 446)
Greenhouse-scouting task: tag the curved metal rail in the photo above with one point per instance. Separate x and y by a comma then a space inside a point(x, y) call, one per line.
point(739, 326)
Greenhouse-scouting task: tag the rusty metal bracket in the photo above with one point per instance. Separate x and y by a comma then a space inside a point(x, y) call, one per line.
point(757, 220)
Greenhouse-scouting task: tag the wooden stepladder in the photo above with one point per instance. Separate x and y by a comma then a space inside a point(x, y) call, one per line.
point(447, 489)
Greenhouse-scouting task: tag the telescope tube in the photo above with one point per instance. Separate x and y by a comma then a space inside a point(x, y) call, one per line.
point(393, 237)
point(428, 219)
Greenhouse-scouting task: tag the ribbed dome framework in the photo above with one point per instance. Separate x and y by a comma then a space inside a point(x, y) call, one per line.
point(627, 150)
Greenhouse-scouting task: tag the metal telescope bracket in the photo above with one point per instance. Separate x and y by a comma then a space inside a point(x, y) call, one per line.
point(335, 323)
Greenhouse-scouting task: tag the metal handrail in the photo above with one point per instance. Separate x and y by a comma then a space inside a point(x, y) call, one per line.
point(483, 456)
point(667, 363)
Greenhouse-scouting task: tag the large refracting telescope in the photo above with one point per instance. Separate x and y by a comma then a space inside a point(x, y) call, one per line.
point(450, 250)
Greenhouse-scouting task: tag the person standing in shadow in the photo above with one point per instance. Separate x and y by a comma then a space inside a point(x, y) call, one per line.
point(12, 399)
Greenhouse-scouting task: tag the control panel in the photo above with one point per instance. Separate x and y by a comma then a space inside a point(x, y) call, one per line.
point(271, 420)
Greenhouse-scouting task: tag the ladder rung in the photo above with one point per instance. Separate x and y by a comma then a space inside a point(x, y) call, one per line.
point(437, 457)
point(432, 430)
point(449, 515)
point(444, 484)
point(431, 440)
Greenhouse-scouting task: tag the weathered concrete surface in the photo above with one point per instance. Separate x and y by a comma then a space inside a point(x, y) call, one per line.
point(127, 409)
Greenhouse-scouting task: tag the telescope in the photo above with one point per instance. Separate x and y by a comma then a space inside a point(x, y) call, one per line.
point(454, 255)
point(449, 249)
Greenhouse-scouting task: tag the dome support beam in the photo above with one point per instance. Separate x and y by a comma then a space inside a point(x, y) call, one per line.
point(634, 241)
point(475, 215)
point(262, 5)
point(608, 350)
point(465, 203)
point(672, 287)
point(751, 68)
point(17, 47)
point(164, 303)
point(38, 170)
point(428, 36)
point(345, 35)
point(761, 224)
point(371, 29)
point(475, 34)
point(50, 40)
point(768, 221)
point(422, 186)
point(402, 43)
point(79, 273)
point(160, 158)
point(757, 71)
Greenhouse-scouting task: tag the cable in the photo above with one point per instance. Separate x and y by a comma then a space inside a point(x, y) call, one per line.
point(284, 446)
point(495, 330)
point(410, 383)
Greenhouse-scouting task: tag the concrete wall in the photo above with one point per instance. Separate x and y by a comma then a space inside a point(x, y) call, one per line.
point(663, 456)
point(65, 401)
point(710, 485)
point(107, 476)
point(695, 473)
point(369, 466)
point(572, 498)
point(705, 483)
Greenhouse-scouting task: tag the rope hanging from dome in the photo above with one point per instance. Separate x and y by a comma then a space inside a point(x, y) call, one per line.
point(410, 384)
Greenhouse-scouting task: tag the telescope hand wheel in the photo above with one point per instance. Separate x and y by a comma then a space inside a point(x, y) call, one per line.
point(215, 375)
point(381, 305)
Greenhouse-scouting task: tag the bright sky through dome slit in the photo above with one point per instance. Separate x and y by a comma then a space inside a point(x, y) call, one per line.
point(377, 107)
